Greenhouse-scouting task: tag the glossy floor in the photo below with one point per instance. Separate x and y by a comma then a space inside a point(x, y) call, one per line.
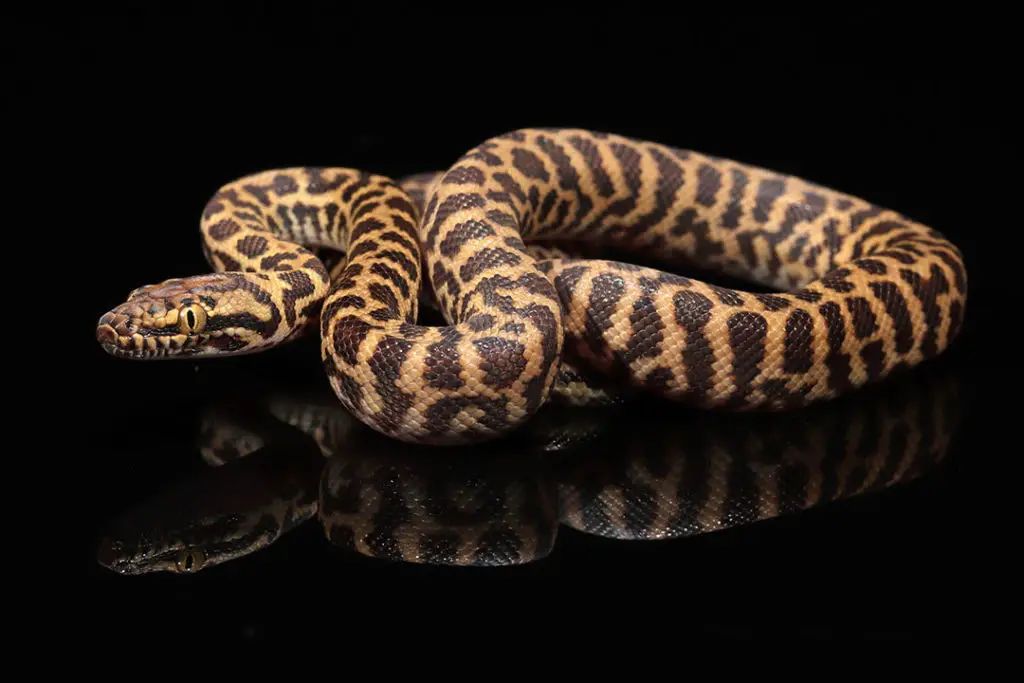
point(258, 474)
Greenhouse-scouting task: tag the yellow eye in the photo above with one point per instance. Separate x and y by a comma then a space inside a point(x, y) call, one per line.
point(190, 561)
point(191, 319)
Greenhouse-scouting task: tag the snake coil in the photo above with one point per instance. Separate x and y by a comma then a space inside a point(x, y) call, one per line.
point(862, 291)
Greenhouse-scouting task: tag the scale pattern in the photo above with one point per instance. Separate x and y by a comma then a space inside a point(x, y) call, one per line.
point(293, 456)
point(861, 291)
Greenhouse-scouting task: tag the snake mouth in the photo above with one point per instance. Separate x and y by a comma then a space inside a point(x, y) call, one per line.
point(143, 347)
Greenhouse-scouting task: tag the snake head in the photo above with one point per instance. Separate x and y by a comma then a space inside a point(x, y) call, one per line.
point(215, 314)
point(130, 559)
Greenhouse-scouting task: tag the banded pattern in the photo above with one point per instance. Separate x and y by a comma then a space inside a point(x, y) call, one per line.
point(464, 510)
point(385, 500)
point(687, 478)
point(576, 384)
point(476, 378)
point(862, 292)
point(257, 232)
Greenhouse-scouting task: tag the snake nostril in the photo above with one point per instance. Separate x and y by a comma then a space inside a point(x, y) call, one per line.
point(105, 334)
point(107, 553)
point(120, 323)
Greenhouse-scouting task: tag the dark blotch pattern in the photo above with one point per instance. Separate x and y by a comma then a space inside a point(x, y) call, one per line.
point(798, 355)
point(386, 366)
point(747, 332)
point(252, 245)
point(647, 325)
point(896, 307)
point(873, 355)
point(481, 322)
point(927, 290)
point(224, 229)
point(503, 360)
point(837, 362)
point(864, 324)
point(605, 292)
point(461, 234)
point(693, 312)
point(443, 365)
point(709, 182)
point(464, 175)
point(299, 286)
point(836, 280)
point(771, 302)
point(486, 259)
point(529, 164)
point(273, 261)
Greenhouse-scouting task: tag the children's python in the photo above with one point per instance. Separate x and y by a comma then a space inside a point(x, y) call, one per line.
point(862, 291)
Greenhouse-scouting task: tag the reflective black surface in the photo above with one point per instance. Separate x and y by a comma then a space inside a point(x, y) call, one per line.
point(271, 462)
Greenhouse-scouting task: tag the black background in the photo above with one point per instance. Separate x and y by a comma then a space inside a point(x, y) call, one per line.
point(141, 120)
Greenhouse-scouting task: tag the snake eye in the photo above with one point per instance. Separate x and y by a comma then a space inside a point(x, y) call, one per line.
point(192, 319)
point(190, 561)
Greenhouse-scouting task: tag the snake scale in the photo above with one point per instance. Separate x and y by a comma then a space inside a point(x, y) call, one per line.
point(859, 291)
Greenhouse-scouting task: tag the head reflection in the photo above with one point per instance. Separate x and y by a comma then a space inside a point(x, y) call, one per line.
point(633, 472)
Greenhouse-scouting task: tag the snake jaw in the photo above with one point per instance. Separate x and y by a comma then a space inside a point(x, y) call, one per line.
point(178, 318)
point(134, 337)
point(127, 559)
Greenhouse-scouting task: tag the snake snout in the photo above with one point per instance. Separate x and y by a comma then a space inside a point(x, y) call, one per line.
point(105, 334)
point(109, 554)
point(111, 327)
point(117, 322)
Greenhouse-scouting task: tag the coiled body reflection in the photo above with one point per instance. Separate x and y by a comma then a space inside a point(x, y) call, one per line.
point(623, 473)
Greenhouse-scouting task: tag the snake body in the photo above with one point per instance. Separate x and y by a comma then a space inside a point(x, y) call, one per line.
point(861, 291)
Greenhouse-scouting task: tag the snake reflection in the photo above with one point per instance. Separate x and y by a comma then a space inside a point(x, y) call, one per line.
point(621, 473)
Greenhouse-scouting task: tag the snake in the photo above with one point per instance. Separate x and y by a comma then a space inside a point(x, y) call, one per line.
point(580, 471)
point(857, 292)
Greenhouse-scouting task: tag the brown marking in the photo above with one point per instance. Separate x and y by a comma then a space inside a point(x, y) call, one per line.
point(647, 336)
point(503, 360)
point(595, 164)
point(386, 366)
point(871, 266)
point(692, 313)
point(772, 302)
point(443, 363)
point(461, 234)
point(864, 324)
point(798, 355)
point(388, 273)
point(464, 175)
point(837, 362)
point(299, 286)
point(873, 355)
point(484, 260)
point(896, 307)
point(364, 247)
point(747, 333)
point(529, 164)
point(606, 289)
point(709, 182)
point(927, 291)
point(734, 209)
point(221, 230)
point(252, 246)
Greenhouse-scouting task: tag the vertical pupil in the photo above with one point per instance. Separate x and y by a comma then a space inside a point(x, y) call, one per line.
point(190, 318)
point(188, 561)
